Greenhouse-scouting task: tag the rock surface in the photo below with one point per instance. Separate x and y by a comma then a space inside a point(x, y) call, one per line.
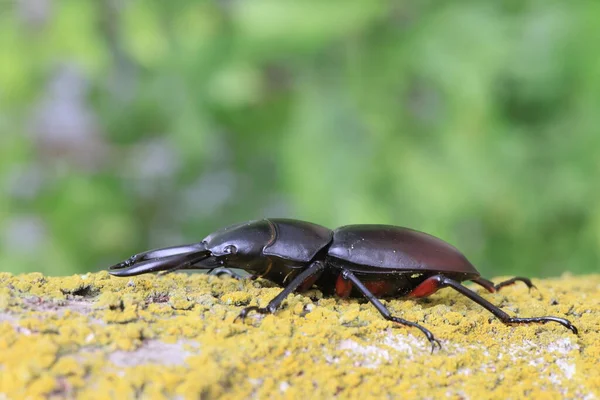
point(95, 336)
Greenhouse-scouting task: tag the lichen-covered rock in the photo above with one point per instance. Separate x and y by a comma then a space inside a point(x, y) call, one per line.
point(96, 336)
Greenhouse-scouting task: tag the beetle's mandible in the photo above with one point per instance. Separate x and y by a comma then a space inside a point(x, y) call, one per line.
point(356, 260)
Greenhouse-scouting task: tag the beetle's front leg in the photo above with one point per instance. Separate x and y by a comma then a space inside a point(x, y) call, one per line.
point(313, 269)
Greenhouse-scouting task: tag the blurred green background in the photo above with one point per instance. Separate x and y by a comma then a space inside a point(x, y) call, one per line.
point(127, 125)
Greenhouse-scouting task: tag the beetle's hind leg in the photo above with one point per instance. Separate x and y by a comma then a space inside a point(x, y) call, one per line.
point(492, 288)
point(512, 281)
point(346, 274)
point(432, 284)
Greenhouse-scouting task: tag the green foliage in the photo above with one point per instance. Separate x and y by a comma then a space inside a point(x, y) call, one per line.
point(138, 124)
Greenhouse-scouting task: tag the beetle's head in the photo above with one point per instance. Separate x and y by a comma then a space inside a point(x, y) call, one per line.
point(239, 246)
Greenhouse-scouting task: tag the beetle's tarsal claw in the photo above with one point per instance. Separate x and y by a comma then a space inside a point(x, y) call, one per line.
point(567, 324)
point(244, 313)
point(434, 342)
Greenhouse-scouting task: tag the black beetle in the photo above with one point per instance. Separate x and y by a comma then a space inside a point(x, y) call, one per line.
point(356, 260)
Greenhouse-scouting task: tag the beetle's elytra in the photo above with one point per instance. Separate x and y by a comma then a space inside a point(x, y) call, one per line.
point(356, 260)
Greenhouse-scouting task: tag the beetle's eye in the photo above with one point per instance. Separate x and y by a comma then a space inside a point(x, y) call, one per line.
point(231, 249)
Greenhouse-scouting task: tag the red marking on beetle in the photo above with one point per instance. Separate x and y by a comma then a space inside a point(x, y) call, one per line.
point(343, 287)
point(308, 283)
point(379, 288)
point(426, 288)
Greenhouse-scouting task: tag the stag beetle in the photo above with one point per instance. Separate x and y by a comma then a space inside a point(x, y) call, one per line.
point(355, 260)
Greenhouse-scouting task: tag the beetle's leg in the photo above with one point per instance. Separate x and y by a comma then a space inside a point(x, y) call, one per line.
point(384, 311)
point(492, 288)
point(432, 284)
point(486, 284)
point(313, 269)
point(512, 281)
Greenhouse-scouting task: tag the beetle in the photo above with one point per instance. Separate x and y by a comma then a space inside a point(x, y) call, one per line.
point(351, 261)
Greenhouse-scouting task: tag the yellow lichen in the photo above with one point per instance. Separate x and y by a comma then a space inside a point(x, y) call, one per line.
point(95, 336)
point(237, 298)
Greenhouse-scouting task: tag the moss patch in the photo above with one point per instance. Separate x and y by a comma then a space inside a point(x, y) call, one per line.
point(96, 336)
